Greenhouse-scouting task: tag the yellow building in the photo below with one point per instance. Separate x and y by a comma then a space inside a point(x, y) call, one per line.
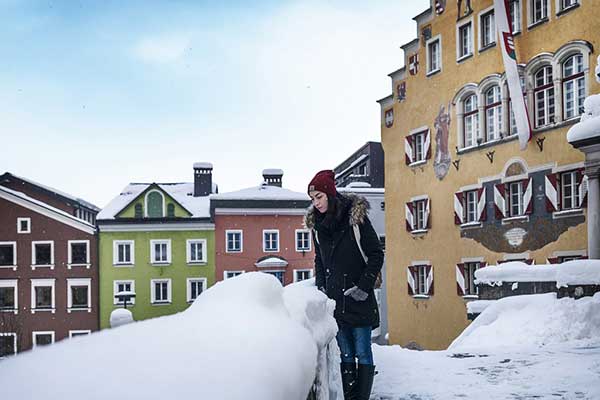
point(460, 193)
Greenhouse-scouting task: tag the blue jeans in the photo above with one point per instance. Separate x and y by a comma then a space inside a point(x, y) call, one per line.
point(355, 343)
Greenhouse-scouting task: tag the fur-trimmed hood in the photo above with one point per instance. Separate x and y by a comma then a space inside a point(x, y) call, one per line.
point(359, 210)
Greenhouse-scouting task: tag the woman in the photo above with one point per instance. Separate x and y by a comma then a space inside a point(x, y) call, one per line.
point(347, 276)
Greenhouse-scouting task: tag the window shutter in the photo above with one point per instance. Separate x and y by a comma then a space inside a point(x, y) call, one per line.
point(500, 201)
point(427, 213)
point(410, 217)
point(459, 213)
point(429, 270)
point(408, 150)
point(528, 195)
point(552, 260)
point(530, 261)
point(410, 276)
point(138, 211)
point(481, 208)
point(427, 145)
point(582, 187)
point(483, 264)
point(551, 190)
point(460, 279)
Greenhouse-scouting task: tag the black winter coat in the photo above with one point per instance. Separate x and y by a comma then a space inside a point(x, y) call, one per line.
point(339, 264)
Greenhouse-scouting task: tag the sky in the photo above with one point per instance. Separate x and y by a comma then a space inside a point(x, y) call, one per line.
point(94, 95)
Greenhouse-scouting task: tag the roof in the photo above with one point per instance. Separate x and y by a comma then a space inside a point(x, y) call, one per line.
point(261, 192)
point(182, 192)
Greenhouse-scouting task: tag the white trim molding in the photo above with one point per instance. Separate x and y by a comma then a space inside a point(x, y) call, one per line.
point(23, 219)
point(80, 282)
point(34, 335)
point(14, 264)
point(12, 283)
point(70, 254)
point(153, 243)
point(234, 231)
point(153, 291)
point(51, 283)
point(188, 285)
point(79, 332)
point(188, 251)
point(116, 262)
point(264, 242)
point(34, 263)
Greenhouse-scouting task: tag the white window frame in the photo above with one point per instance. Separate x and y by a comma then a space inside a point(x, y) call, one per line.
point(548, 90)
point(576, 81)
point(234, 231)
point(164, 203)
point(517, 26)
point(116, 290)
point(14, 335)
point(87, 254)
point(23, 219)
point(131, 244)
point(34, 335)
point(438, 39)
point(277, 271)
point(296, 271)
point(520, 197)
point(468, 203)
point(33, 254)
point(79, 282)
point(188, 251)
point(497, 117)
point(459, 41)
point(13, 283)
point(189, 282)
point(79, 332)
point(421, 280)
point(574, 191)
point(264, 240)
point(473, 117)
point(232, 271)
point(561, 8)
point(532, 21)
point(43, 283)
point(470, 279)
point(493, 34)
point(14, 265)
point(154, 242)
point(153, 291)
point(304, 231)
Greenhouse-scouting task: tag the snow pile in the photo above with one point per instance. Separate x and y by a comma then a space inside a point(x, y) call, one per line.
point(533, 320)
point(244, 338)
point(120, 316)
point(576, 272)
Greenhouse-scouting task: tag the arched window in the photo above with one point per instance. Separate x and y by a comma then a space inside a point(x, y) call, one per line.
point(154, 204)
point(138, 211)
point(573, 86)
point(470, 120)
point(493, 113)
point(170, 210)
point(543, 94)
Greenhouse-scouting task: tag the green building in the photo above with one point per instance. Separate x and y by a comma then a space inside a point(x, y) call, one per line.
point(157, 240)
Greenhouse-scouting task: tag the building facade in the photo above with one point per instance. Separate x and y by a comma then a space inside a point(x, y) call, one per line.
point(48, 266)
point(460, 192)
point(157, 240)
point(261, 229)
point(365, 165)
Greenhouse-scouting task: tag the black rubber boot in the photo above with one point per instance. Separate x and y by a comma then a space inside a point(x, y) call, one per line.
point(365, 381)
point(349, 381)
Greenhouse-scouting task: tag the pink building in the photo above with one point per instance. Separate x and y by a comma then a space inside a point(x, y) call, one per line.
point(261, 229)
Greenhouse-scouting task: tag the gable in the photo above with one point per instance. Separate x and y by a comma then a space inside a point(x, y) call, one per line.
point(154, 202)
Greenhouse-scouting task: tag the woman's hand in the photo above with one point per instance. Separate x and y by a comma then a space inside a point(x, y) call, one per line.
point(356, 293)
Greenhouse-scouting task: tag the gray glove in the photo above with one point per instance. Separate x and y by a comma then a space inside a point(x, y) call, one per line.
point(356, 293)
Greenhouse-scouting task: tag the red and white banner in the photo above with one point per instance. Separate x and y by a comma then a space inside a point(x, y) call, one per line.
point(509, 56)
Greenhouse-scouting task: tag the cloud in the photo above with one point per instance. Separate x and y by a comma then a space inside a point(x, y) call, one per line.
point(163, 49)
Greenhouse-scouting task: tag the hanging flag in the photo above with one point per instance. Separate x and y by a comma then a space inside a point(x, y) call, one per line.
point(509, 56)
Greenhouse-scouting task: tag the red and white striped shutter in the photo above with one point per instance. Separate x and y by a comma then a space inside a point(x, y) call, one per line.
point(528, 195)
point(500, 201)
point(459, 213)
point(582, 187)
point(429, 270)
point(552, 260)
point(530, 261)
point(481, 208)
point(410, 217)
point(460, 279)
point(427, 213)
point(551, 189)
point(427, 145)
point(410, 277)
point(408, 150)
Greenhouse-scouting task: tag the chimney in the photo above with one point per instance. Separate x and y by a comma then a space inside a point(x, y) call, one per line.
point(273, 177)
point(202, 179)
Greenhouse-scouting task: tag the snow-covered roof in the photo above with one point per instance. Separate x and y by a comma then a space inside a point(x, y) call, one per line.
point(354, 163)
point(183, 193)
point(203, 165)
point(587, 129)
point(272, 171)
point(272, 262)
point(262, 192)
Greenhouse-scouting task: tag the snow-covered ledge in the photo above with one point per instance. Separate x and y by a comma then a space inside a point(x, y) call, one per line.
point(585, 136)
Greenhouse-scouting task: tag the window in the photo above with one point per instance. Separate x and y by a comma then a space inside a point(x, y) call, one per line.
point(195, 286)
point(470, 287)
point(465, 41)
point(155, 204)
point(471, 120)
point(139, 212)
point(417, 214)
point(79, 253)
point(418, 142)
point(488, 29)
point(514, 10)
point(42, 295)
point(123, 252)
point(271, 240)
point(567, 4)
point(84, 332)
point(277, 274)
point(23, 225)
point(302, 274)
point(123, 287)
point(512, 129)
point(420, 280)
point(515, 199)
point(79, 295)
point(303, 240)
point(234, 241)
point(573, 86)
point(8, 295)
point(8, 254)
point(539, 11)
point(161, 291)
point(544, 97)
point(231, 274)
point(417, 146)
point(160, 251)
point(420, 208)
point(361, 170)
point(42, 254)
point(171, 210)
point(434, 56)
point(470, 206)
point(42, 338)
point(569, 190)
point(493, 113)
point(196, 251)
point(8, 344)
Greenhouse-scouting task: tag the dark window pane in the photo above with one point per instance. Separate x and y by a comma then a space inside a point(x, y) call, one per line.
point(43, 339)
point(79, 296)
point(7, 345)
point(78, 253)
point(138, 211)
point(7, 298)
point(155, 205)
point(170, 210)
point(43, 254)
point(43, 297)
point(7, 253)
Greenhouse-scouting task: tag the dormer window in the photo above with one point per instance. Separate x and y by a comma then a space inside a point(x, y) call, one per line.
point(155, 204)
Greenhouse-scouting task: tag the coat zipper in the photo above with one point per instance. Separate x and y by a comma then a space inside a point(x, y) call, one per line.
point(343, 295)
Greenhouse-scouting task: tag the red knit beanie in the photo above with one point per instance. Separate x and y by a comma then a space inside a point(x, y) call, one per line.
point(323, 182)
